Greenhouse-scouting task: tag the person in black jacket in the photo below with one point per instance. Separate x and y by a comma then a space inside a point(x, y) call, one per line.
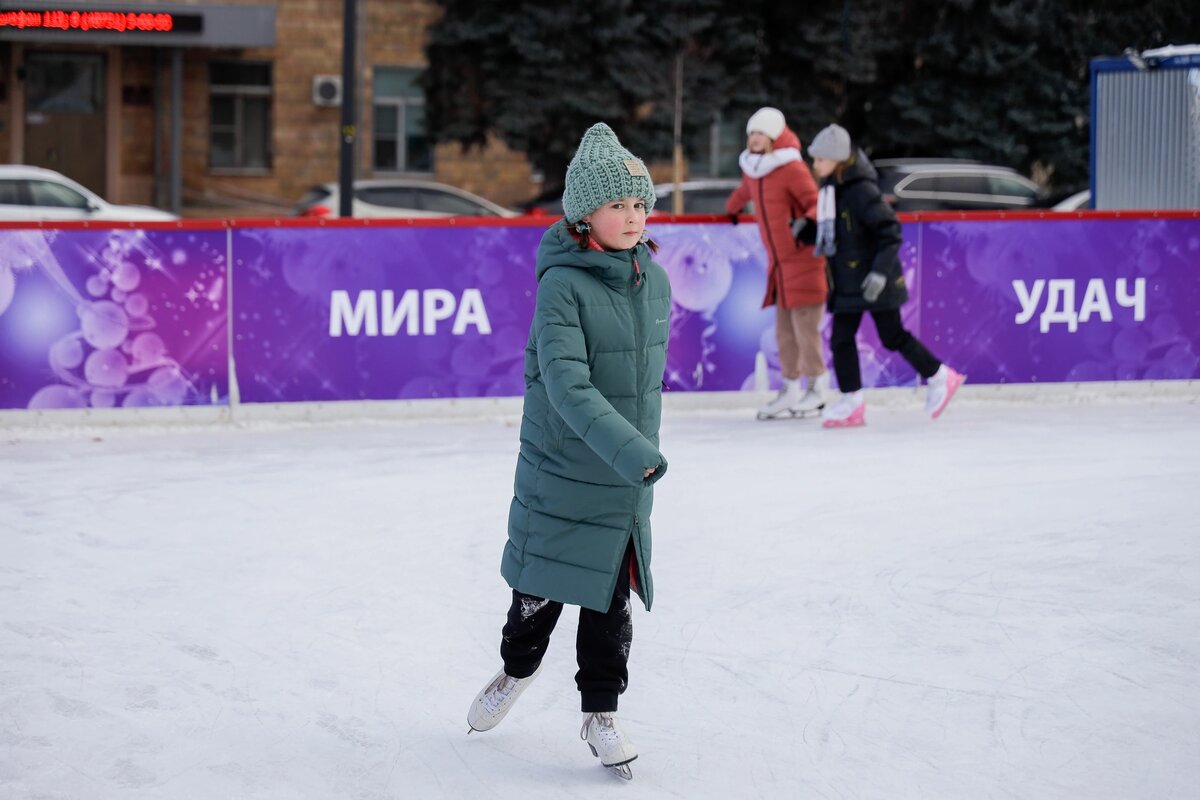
point(858, 233)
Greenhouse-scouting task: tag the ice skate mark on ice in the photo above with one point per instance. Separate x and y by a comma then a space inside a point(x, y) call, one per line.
point(738, 675)
point(32, 631)
point(200, 652)
point(1127, 680)
point(920, 684)
point(127, 773)
point(828, 730)
point(71, 708)
point(348, 730)
point(1018, 671)
point(142, 697)
point(811, 694)
point(530, 606)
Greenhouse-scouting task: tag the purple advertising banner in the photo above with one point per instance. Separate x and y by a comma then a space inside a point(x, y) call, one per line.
point(1068, 300)
point(112, 318)
point(719, 330)
point(344, 313)
point(99, 318)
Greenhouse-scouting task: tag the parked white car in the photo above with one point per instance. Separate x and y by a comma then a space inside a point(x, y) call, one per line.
point(950, 184)
point(399, 197)
point(1080, 201)
point(37, 194)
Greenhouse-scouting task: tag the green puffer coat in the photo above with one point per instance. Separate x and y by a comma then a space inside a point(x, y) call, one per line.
point(593, 402)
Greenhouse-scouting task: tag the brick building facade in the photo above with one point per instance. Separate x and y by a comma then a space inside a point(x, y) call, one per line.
point(96, 104)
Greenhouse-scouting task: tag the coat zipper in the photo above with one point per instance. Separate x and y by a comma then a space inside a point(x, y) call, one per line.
point(635, 571)
point(637, 346)
point(762, 214)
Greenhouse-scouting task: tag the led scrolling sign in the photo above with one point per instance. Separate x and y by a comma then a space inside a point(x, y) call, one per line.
point(109, 21)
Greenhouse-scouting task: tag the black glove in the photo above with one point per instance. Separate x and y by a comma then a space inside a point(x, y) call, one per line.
point(804, 231)
point(873, 286)
point(733, 219)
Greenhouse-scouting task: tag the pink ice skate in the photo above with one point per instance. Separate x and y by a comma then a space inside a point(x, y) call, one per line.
point(848, 412)
point(942, 387)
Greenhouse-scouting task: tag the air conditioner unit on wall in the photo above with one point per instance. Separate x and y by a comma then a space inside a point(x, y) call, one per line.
point(327, 90)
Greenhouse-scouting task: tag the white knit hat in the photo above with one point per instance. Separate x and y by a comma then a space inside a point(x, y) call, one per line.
point(767, 120)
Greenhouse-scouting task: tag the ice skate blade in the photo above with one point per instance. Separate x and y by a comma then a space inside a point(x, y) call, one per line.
point(622, 771)
point(806, 414)
point(843, 423)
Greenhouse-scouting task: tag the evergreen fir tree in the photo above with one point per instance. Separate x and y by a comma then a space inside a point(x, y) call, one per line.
point(1001, 81)
point(537, 75)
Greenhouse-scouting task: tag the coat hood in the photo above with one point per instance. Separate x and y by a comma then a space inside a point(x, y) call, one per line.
point(559, 249)
point(860, 169)
point(787, 139)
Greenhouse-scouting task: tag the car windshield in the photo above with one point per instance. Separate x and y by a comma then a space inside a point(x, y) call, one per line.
point(446, 203)
point(888, 178)
point(45, 193)
point(10, 193)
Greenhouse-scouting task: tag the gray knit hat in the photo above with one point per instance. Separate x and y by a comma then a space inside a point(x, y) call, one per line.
point(601, 171)
point(833, 142)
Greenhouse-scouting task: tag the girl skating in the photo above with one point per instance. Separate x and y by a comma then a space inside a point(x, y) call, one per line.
point(579, 524)
point(858, 233)
point(779, 183)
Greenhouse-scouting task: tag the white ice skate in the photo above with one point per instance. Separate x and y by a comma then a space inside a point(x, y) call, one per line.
point(942, 386)
point(609, 743)
point(778, 408)
point(849, 411)
point(813, 399)
point(791, 402)
point(495, 700)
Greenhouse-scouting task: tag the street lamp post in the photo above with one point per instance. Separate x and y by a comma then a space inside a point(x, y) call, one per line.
point(677, 195)
point(349, 132)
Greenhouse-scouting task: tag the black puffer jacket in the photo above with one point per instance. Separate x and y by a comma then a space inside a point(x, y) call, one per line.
point(868, 239)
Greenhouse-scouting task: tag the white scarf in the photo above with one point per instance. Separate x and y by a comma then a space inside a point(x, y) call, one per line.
point(759, 165)
point(826, 217)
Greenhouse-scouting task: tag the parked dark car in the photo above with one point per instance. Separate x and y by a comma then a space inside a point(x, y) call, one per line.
point(916, 184)
point(702, 196)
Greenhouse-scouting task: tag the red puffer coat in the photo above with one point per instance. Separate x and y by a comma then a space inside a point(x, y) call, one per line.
point(782, 189)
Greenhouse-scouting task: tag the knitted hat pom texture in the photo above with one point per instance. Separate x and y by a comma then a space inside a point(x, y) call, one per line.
point(601, 171)
point(833, 143)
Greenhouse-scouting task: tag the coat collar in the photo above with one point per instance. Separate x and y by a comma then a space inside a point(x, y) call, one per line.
point(759, 165)
point(559, 249)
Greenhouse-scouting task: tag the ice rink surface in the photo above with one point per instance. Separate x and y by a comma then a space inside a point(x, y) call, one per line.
point(1001, 604)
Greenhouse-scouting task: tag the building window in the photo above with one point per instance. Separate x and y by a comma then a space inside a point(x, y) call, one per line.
point(239, 126)
point(400, 143)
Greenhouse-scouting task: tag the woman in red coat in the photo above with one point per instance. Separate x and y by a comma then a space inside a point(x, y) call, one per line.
point(779, 183)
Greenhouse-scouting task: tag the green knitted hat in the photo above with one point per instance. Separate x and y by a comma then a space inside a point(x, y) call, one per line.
point(602, 171)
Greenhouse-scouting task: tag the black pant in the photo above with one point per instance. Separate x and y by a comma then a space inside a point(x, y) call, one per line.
point(892, 334)
point(601, 644)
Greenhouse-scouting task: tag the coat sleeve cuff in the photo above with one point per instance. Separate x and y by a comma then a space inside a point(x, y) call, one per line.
point(635, 458)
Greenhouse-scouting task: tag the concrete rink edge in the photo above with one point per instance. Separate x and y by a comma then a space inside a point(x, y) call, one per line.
point(23, 423)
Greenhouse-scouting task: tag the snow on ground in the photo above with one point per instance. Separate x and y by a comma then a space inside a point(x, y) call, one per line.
point(1002, 604)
